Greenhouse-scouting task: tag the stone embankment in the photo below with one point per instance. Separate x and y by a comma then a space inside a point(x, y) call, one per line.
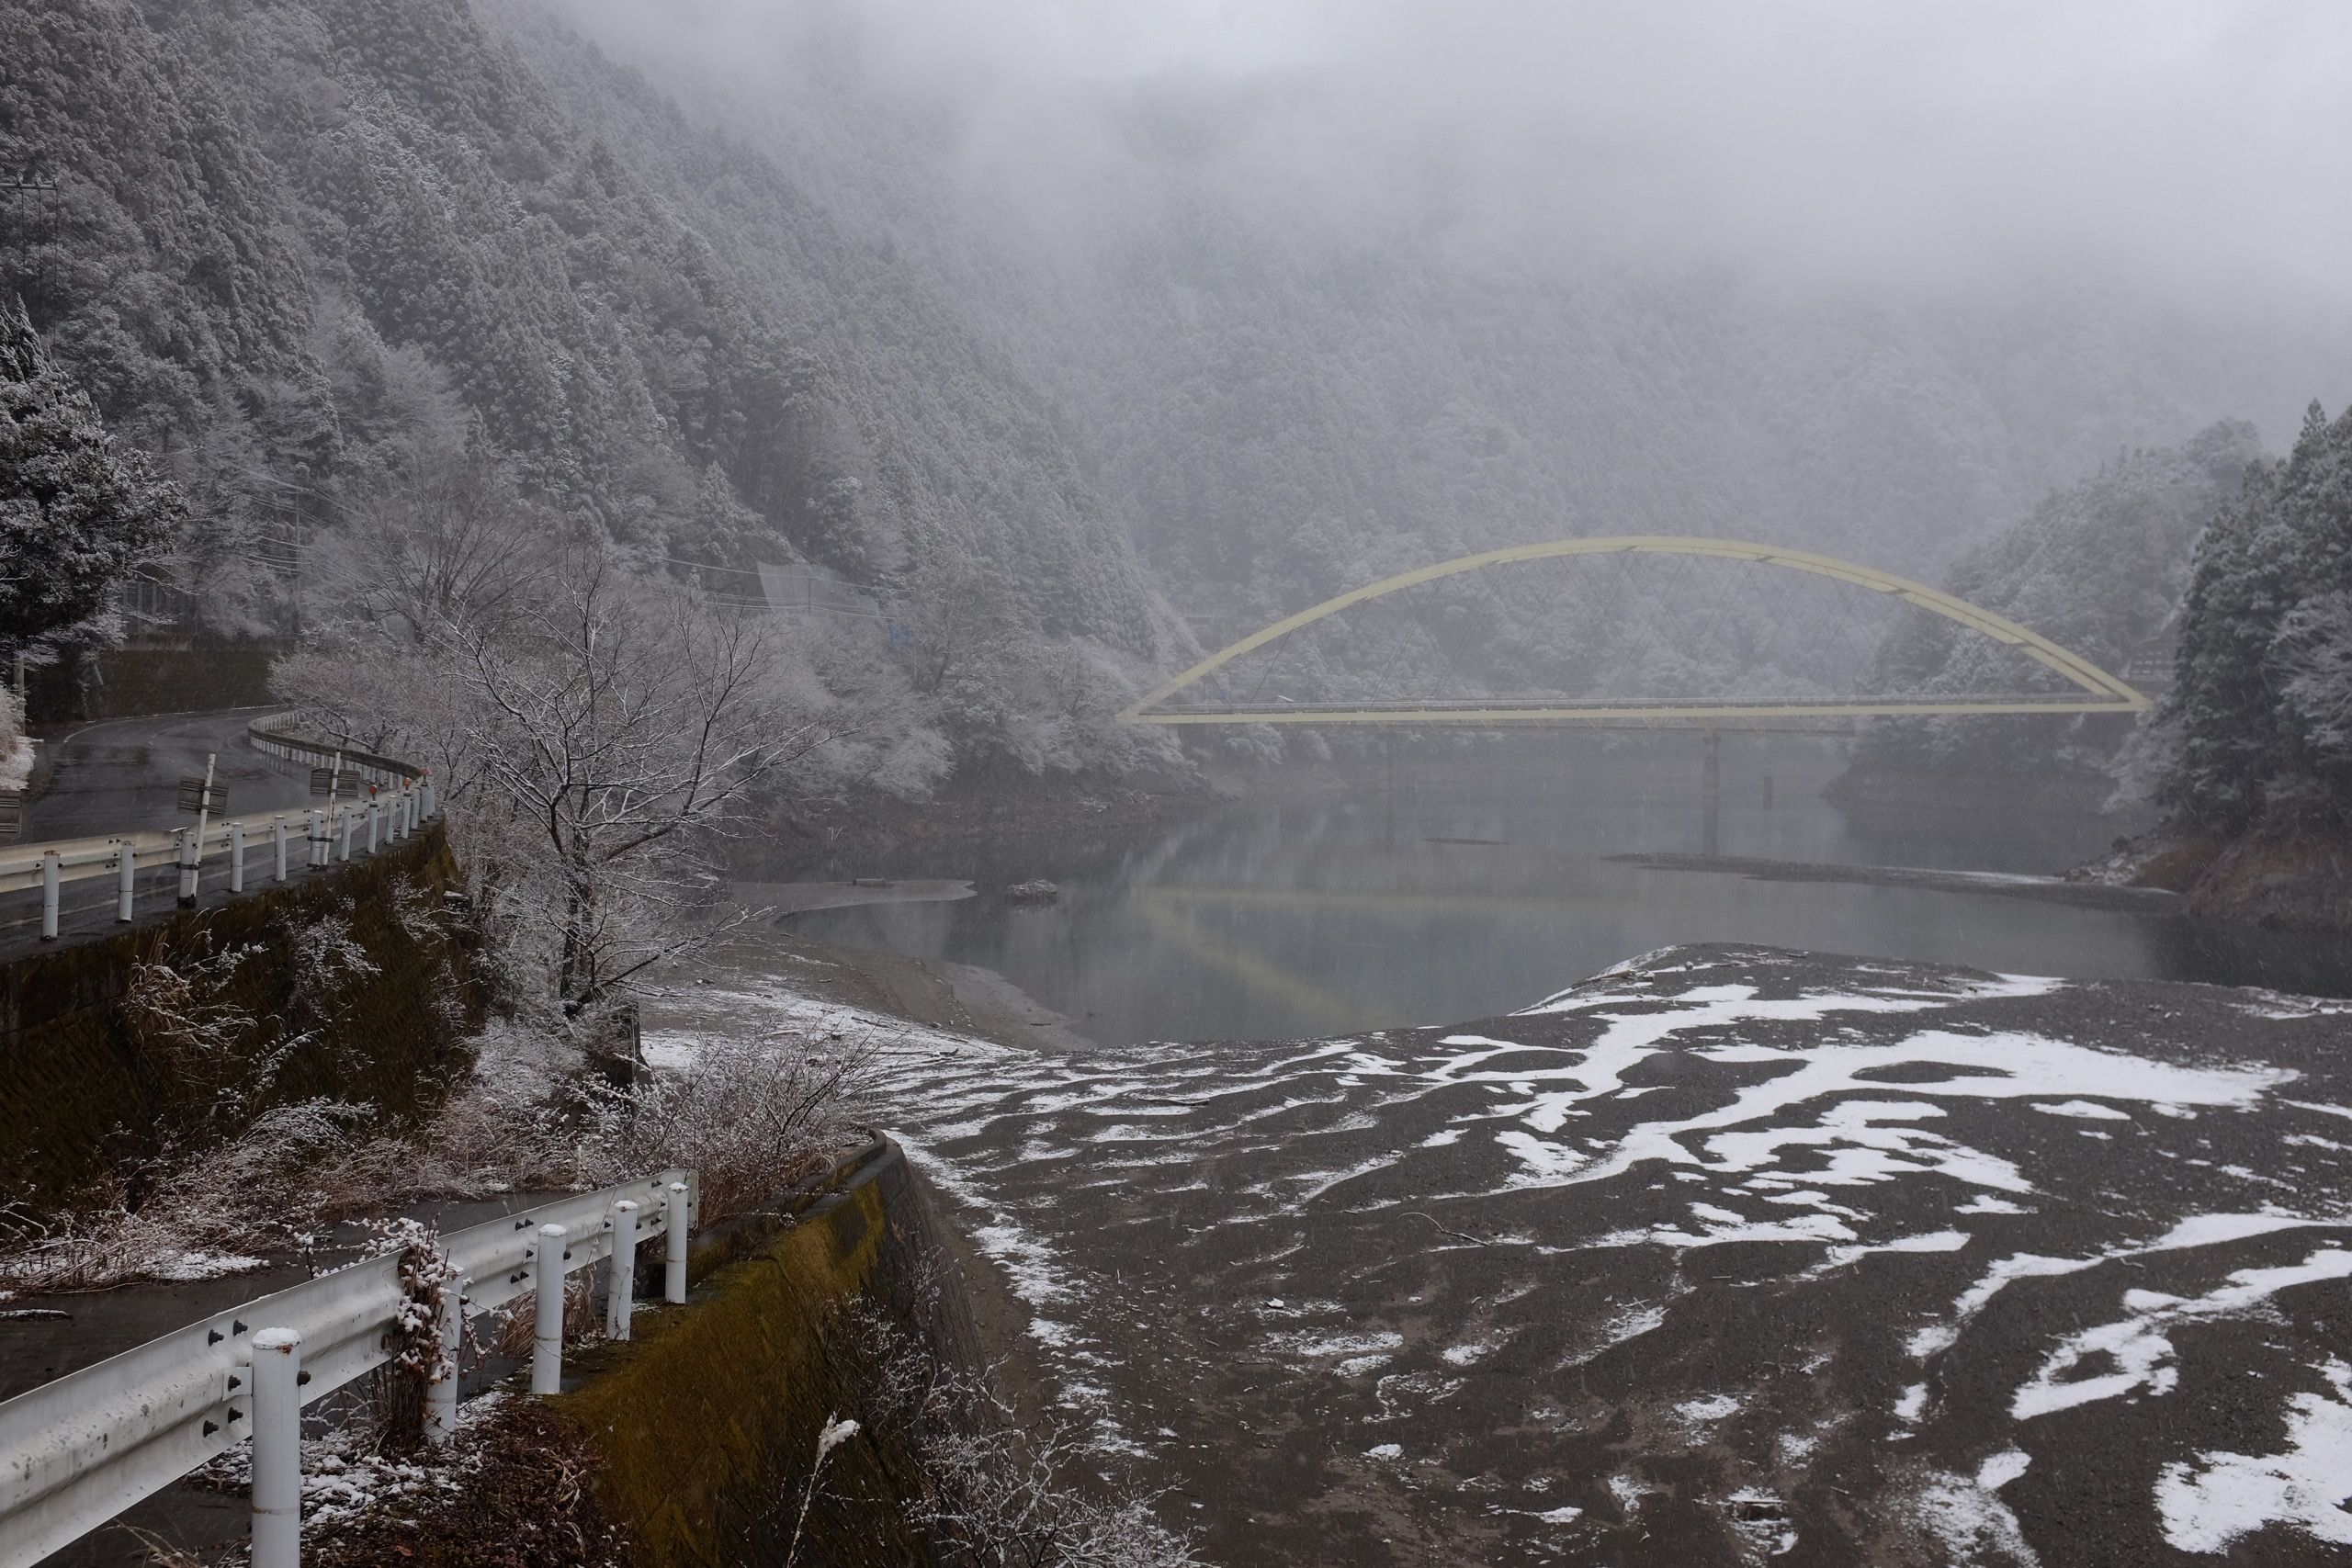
point(2301, 878)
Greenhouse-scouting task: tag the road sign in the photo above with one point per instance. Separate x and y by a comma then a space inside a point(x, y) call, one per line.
point(12, 816)
point(323, 781)
point(194, 794)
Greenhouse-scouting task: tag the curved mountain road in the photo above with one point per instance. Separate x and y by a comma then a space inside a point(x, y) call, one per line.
point(123, 773)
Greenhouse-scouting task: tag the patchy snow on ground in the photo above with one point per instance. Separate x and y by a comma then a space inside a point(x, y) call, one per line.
point(1708, 1179)
point(2139, 1347)
point(2210, 1501)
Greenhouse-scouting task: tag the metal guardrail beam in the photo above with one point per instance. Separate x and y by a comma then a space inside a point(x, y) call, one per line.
point(76, 1452)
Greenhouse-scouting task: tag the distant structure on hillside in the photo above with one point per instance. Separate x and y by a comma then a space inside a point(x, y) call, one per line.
point(802, 588)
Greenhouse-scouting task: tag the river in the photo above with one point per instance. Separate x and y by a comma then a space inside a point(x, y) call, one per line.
point(1445, 898)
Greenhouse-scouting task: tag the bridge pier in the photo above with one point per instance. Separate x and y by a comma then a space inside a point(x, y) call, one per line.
point(1712, 789)
point(1388, 789)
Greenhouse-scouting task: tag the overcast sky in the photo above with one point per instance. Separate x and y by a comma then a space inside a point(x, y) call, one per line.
point(2189, 146)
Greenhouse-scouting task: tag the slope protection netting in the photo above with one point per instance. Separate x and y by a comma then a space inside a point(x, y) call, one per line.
point(1624, 628)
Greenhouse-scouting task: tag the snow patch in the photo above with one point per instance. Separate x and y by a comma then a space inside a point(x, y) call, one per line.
point(2206, 1504)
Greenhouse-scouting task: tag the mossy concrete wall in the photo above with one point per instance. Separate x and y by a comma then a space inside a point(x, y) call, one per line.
point(83, 1097)
point(707, 1419)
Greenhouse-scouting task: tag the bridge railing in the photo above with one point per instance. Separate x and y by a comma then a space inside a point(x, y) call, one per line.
point(389, 800)
point(76, 1452)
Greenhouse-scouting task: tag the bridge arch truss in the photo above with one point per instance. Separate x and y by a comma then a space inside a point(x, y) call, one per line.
point(2096, 691)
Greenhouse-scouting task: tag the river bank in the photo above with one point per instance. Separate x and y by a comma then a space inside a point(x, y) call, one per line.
point(2290, 879)
point(1721, 1255)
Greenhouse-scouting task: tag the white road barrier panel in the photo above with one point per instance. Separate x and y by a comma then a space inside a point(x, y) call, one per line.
point(77, 1452)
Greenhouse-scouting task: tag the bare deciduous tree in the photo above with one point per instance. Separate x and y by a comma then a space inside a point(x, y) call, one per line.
point(618, 726)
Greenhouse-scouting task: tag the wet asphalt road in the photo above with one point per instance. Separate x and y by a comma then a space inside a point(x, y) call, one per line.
point(1723, 1257)
point(124, 774)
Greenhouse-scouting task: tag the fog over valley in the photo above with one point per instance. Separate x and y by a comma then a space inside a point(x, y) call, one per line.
point(842, 783)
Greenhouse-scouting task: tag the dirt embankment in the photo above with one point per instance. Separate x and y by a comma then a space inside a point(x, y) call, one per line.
point(2300, 878)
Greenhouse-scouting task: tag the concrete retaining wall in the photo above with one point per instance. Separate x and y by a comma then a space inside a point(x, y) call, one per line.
point(82, 1095)
point(708, 1420)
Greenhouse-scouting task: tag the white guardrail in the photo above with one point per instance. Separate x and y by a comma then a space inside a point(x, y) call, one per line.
point(390, 801)
point(76, 1452)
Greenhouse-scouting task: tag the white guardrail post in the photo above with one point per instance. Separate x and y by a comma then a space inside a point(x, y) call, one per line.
point(126, 882)
point(673, 1272)
point(236, 857)
point(546, 1306)
point(78, 1451)
point(48, 877)
point(278, 1449)
point(441, 1390)
point(621, 1271)
point(278, 839)
point(318, 838)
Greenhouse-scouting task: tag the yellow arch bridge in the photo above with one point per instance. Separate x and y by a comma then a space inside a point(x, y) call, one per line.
point(2094, 690)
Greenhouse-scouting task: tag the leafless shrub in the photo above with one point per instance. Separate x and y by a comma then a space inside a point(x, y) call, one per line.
point(155, 1552)
point(267, 1191)
point(327, 961)
point(177, 1009)
point(752, 1117)
point(996, 1491)
point(513, 1329)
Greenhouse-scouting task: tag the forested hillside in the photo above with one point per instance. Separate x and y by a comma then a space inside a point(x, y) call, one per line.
point(2256, 732)
point(2099, 567)
point(1303, 351)
point(307, 252)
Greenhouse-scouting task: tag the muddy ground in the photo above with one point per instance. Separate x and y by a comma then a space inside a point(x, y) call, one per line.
point(1724, 1256)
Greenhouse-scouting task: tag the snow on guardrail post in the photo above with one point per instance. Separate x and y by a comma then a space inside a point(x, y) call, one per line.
point(620, 1287)
point(547, 1283)
point(441, 1388)
point(48, 877)
point(278, 1449)
point(673, 1272)
point(126, 883)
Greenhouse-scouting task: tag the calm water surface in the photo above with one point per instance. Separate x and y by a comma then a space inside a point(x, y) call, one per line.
point(1439, 902)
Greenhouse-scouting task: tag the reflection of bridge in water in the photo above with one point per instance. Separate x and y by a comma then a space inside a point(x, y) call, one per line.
point(2084, 687)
